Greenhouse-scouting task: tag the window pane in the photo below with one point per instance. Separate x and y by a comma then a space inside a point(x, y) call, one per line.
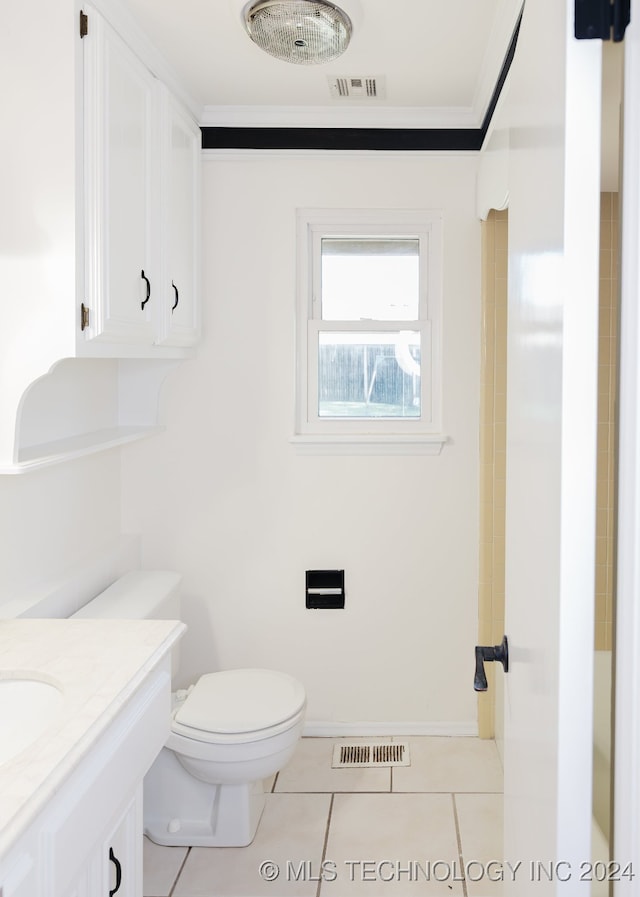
point(364, 375)
point(373, 279)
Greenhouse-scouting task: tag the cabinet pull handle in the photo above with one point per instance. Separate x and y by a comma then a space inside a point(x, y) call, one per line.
point(116, 862)
point(146, 280)
point(175, 304)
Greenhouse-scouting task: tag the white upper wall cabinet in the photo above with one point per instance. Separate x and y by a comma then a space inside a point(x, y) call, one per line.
point(142, 162)
point(101, 233)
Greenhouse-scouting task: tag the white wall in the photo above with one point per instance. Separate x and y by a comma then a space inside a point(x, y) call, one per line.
point(223, 497)
point(53, 523)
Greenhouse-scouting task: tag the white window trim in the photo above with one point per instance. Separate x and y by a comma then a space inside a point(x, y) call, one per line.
point(331, 435)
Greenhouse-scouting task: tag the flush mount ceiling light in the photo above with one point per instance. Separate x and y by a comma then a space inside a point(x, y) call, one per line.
point(306, 32)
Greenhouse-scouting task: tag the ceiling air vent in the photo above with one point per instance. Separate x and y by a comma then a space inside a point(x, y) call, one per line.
point(354, 88)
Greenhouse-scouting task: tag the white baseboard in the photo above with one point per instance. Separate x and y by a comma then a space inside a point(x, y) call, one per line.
point(331, 729)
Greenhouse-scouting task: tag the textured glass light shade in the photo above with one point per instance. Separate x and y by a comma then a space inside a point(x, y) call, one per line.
point(306, 32)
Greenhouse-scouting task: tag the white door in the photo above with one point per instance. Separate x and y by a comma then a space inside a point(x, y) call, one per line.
point(552, 112)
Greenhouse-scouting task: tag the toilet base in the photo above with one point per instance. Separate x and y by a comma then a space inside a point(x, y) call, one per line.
point(180, 811)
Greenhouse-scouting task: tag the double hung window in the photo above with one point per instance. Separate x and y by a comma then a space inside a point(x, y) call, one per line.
point(369, 323)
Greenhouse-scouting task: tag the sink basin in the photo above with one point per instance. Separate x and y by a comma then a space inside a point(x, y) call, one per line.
point(27, 708)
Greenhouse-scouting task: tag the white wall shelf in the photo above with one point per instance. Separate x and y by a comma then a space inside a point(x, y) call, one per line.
point(48, 454)
point(83, 406)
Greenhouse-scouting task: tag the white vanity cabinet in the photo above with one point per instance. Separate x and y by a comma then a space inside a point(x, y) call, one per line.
point(112, 866)
point(142, 162)
point(86, 838)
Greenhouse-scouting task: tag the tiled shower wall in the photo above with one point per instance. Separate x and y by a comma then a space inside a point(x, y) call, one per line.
point(493, 442)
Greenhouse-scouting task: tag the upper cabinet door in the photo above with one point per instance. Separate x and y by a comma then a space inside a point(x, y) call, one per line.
point(120, 96)
point(179, 313)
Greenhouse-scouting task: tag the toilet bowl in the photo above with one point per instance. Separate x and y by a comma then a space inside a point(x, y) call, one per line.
point(229, 731)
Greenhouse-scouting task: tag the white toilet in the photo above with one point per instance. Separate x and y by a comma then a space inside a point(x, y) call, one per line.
point(229, 731)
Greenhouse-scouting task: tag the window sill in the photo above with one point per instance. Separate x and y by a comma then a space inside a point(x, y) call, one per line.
point(368, 444)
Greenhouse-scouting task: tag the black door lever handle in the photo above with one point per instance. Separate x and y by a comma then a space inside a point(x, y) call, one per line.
point(486, 652)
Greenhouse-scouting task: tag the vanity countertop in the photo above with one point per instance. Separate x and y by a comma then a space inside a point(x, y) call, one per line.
point(98, 665)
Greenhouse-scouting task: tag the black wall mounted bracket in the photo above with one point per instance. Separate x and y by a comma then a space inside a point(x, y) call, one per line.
point(602, 19)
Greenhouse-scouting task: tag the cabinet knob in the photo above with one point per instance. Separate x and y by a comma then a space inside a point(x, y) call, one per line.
point(175, 304)
point(146, 280)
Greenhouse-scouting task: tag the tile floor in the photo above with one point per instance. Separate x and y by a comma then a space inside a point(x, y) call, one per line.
point(326, 832)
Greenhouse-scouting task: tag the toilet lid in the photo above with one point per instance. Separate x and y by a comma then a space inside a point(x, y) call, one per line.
point(235, 701)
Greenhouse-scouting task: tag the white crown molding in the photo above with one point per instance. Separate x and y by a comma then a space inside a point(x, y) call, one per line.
point(339, 117)
point(239, 155)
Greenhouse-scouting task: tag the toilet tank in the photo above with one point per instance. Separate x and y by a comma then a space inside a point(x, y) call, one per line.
point(139, 595)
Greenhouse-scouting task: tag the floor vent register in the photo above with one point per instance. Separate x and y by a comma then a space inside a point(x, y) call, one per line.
point(383, 753)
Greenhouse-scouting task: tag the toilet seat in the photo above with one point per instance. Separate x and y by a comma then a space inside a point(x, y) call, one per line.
point(235, 706)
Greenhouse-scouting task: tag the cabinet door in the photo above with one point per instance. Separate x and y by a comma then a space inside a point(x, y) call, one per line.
point(122, 853)
point(114, 866)
point(179, 313)
point(119, 113)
